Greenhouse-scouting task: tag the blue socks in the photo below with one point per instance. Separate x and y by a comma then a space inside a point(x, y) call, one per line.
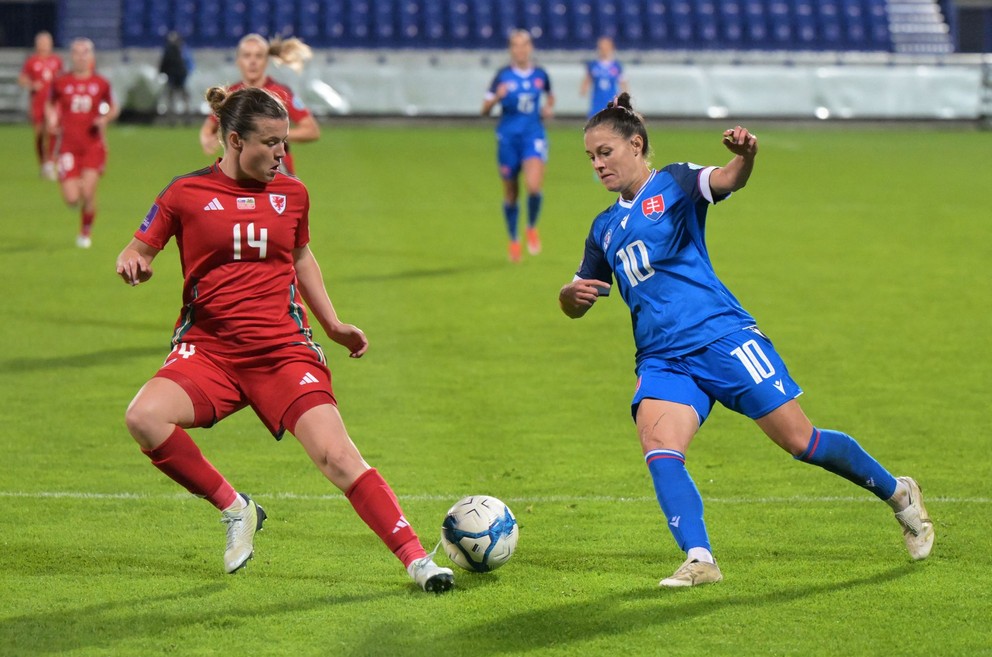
point(533, 208)
point(679, 498)
point(682, 505)
point(839, 453)
point(510, 214)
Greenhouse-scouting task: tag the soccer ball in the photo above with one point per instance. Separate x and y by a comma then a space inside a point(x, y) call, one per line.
point(479, 533)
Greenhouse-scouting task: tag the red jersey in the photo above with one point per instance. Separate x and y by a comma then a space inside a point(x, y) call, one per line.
point(294, 106)
point(236, 240)
point(41, 69)
point(80, 101)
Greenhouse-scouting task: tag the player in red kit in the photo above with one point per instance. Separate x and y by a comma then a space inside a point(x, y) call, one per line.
point(79, 108)
point(252, 59)
point(243, 338)
point(36, 76)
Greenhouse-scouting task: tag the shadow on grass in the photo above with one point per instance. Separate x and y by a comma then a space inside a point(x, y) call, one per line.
point(154, 619)
point(96, 358)
point(574, 624)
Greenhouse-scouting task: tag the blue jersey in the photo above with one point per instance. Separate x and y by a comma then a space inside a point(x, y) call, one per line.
point(522, 104)
point(605, 78)
point(654, 247)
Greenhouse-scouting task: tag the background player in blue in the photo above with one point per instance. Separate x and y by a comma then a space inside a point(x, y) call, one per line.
point(604, 76)
point(520, 139)
point(695, 343)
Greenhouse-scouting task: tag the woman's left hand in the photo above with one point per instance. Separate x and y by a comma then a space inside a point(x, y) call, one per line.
point(352, 338)
point(740, 141)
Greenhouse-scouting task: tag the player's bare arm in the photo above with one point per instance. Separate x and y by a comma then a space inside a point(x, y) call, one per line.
point(134, 264)
point(315, 295)
point(306, 130)
point(209, 140)
point(492, 100)
point(548, 111)
point(576, 298)
point(736, 173)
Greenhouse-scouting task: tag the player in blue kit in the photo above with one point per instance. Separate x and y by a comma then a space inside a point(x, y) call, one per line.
point(695, 343)
point(604, 76)
point(521, 141)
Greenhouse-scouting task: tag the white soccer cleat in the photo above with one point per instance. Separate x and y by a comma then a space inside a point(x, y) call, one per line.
point(241, 527)
point(429, 576)
point(917, 528)
point(84, 241)
point(693, 573)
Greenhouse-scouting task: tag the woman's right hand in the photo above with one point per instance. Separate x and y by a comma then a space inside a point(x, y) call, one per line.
point(576, 298)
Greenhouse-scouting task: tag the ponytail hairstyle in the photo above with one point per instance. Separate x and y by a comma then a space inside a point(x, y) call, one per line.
point(291, 52)
point(621, 118)
point(237, 111)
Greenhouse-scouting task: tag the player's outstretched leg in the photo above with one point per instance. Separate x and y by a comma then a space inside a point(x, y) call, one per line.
point(917, 528)
point(839, 453)
point(376, 504)
point(242, 524)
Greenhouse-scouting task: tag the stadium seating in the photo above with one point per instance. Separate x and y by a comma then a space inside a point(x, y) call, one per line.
point(233, 20)
point(561, 24)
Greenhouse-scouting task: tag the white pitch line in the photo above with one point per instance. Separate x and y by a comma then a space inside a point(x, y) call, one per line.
point(539, 499)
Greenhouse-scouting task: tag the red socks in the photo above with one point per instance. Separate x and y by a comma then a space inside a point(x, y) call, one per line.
point(376, 504)
point(183, 462)
point(86, 222)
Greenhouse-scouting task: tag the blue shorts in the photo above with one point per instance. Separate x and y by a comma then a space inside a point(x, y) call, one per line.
point(512, 150)
point(742, 371)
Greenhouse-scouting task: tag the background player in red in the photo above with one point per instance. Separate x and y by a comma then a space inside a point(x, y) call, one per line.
point(253, 59)
point(79, 108)
point(242, 338)
point(39, 69)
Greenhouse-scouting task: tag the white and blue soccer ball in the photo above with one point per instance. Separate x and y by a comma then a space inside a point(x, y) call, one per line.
point(479, 533)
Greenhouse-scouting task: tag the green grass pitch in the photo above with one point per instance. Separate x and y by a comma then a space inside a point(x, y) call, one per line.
point(864, 253)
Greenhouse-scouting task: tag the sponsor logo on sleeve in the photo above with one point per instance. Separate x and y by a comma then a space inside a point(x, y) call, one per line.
point(149, 218)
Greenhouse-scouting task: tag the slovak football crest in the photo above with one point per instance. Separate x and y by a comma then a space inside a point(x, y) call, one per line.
point(653, 207)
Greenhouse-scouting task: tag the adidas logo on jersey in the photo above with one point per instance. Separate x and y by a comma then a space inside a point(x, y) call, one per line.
point(308, 378)
point(213, 205)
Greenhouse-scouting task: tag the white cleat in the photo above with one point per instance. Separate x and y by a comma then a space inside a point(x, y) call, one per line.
point(84, 241)
point(429, 576)
point(693, 573)
point(917, 528)
point(241, 527)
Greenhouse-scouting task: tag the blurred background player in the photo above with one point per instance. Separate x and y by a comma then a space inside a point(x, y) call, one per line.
point(176, 65)
point(604, 76)
point(243, 338)
point(39, 69)
point(521, 142)
point(79, 108)
point(252, 60)
point(695, 343)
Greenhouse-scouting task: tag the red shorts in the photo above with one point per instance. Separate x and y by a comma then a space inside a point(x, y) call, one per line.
point(270, 383)
point(72, 161)
point(37, 110)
